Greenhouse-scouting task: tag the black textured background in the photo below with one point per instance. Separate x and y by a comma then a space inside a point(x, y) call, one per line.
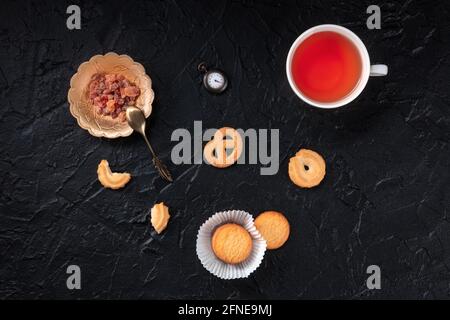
point(384, 201)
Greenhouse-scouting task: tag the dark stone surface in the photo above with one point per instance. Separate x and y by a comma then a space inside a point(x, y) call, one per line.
point(384, 201)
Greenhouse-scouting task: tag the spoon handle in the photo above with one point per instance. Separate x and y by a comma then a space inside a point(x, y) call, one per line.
point(160, 166)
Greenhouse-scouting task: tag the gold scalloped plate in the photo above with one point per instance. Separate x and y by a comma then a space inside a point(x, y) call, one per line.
point(83, 110)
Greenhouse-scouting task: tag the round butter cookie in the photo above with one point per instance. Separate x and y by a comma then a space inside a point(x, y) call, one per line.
point(231, 243)
point(274, 228)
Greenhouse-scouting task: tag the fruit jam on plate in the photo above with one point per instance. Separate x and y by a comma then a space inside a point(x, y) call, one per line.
point(111, 94)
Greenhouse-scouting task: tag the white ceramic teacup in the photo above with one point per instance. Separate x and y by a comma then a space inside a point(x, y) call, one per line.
point(366, 71)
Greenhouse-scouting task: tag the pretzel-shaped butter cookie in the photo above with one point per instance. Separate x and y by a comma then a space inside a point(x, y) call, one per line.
point(215, 151)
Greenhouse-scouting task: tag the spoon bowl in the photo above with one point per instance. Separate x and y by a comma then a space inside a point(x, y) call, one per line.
point(136, 119)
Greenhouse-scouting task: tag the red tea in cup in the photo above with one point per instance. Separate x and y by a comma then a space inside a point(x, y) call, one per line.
point(326, 66)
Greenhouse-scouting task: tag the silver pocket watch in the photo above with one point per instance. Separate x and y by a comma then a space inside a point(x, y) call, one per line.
point(214, 80)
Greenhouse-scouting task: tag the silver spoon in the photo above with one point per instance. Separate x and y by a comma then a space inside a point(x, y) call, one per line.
point(136, 120)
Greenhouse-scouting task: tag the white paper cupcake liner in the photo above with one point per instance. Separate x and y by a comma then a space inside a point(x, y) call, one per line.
point(216, 266)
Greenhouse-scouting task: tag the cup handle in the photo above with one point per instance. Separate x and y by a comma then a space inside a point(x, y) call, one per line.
point(378, 70)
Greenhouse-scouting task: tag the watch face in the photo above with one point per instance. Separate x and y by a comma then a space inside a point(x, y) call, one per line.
point(215, 81)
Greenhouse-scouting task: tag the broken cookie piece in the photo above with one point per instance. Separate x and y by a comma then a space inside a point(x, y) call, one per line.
point(159, 217)
point(112, 180)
